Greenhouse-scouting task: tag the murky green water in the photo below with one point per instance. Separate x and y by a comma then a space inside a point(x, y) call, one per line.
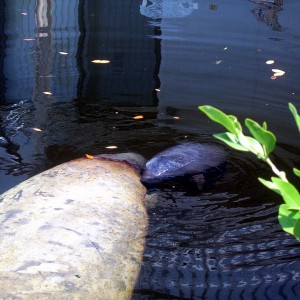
point(165, 58)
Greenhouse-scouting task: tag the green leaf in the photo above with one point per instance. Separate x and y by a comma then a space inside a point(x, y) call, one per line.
point(263, 136)
point(262, 144)
point(294, 208)
point(270, 185)
point(289, 220)
point(231, 140)
point(288, 192)
point(265, 125)
point(219, 117)
point(252, 145)
point(296, 172)
point(297, 229)
point(295, 114)
point(236, 123)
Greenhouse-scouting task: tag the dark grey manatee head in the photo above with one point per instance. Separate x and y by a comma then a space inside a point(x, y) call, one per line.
point(182, 160)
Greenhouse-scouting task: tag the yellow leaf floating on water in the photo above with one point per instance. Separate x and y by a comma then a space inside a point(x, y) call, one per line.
point(111, 147)
point(36, 129)
point(89, 156)
point(270, 62)
point(139, 117)
point(100, 61)
point(278, 72)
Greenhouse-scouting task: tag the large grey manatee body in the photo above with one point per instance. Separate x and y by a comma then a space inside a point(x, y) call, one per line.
point(181, 160)
point(76, 231)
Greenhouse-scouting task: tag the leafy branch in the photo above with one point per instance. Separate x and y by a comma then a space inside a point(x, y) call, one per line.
point(262, 143)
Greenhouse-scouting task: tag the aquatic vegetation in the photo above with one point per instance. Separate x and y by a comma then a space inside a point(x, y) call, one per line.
point(262, 143)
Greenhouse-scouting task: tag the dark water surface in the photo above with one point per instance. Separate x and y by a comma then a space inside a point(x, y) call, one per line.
point(166, 57)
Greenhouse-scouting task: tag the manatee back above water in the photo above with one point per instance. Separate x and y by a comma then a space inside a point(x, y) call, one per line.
point(181, 160)
point(76, 231)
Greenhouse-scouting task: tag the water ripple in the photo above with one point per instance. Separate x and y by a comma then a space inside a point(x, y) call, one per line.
point(206, 247)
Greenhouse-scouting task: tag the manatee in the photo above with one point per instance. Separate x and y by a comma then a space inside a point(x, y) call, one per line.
point(137, 161)
point(185, 159)
point(76, 231)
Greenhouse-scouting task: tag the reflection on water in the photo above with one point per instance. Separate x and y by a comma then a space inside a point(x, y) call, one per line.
point(166, 57)
point(267, 12)
point(161, 9)
point(216, 246)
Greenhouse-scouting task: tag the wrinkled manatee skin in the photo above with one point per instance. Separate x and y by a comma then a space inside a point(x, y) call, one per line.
point(137, 161)
point(76, 231)
point(182, 160)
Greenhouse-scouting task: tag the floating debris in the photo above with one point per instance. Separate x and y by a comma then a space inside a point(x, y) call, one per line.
point(36, 129)
point(111, 147)
point(100, 61)
point(139, 117)
point(270, 62)
point(278, 72)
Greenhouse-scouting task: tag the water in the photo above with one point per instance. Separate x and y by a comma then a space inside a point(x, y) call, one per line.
point(166, 58)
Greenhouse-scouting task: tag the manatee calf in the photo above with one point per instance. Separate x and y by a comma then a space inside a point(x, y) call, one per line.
point(76, 231)
point(182, 160)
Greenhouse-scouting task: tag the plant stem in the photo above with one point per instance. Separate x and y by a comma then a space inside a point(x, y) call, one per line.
point(276, 171)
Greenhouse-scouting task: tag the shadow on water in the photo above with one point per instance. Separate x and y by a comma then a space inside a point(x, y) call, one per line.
point(165, 58)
